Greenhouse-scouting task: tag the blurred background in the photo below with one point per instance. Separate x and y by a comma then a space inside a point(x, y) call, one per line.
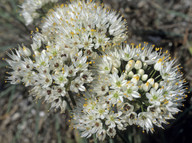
point(165, 23)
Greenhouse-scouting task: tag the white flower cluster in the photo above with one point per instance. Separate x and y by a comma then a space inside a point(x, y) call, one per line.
point(58, 66)
point(135, 86)
point(52, 73)
point(86, 26)
point(97, 117)
point(79, 50)
point(30, 9)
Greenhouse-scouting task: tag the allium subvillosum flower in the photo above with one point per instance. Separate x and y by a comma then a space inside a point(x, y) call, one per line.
point(52, 73)
point(58, 66)
point(30, 9)
point(138, 85)
point(86, 26)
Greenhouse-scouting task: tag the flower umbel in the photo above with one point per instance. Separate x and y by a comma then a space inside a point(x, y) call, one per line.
point(64, 49)
point(146, 88)
point(87, 26)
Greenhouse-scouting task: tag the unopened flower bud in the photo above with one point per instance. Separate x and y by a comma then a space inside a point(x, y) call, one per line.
point(130, 65)
point(145, 66)
point(141, 72)
point(36, 53)
point(116, 63)
point(151, 81)
point(130, 74)
point(26, 51)
point(135, 79)
point(158, 65)
point(156, 85)
point(146, 86)
point(138, 64)
point(144, 77)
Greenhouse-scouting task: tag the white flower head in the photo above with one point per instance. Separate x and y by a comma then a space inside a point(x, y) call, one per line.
point(84, 25)
point(54, 69)
point(144, 94)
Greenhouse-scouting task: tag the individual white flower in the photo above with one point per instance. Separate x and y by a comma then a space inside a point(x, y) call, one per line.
point(131, 91)
point(24, 51)
point(112, 119)
point(111, 132)
point(117, 82)
point(126, 53)
point(155, 97)
point(127, 108)
point(77, 85)
point(61, 78)
point(101, 134)
point(104, 66)
point(131, 118)
point(42, 60)
point(97, 126)
point(28, 78)
point(101, 40)
point(155, 110)
point(60, 90)
point(114, 58)
point(45, 79)
point(86, 77)
point(144, 120)
point(15, 58)
point(80, 61)
point(115, 96)
point(87, 42)
point(101, 88)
